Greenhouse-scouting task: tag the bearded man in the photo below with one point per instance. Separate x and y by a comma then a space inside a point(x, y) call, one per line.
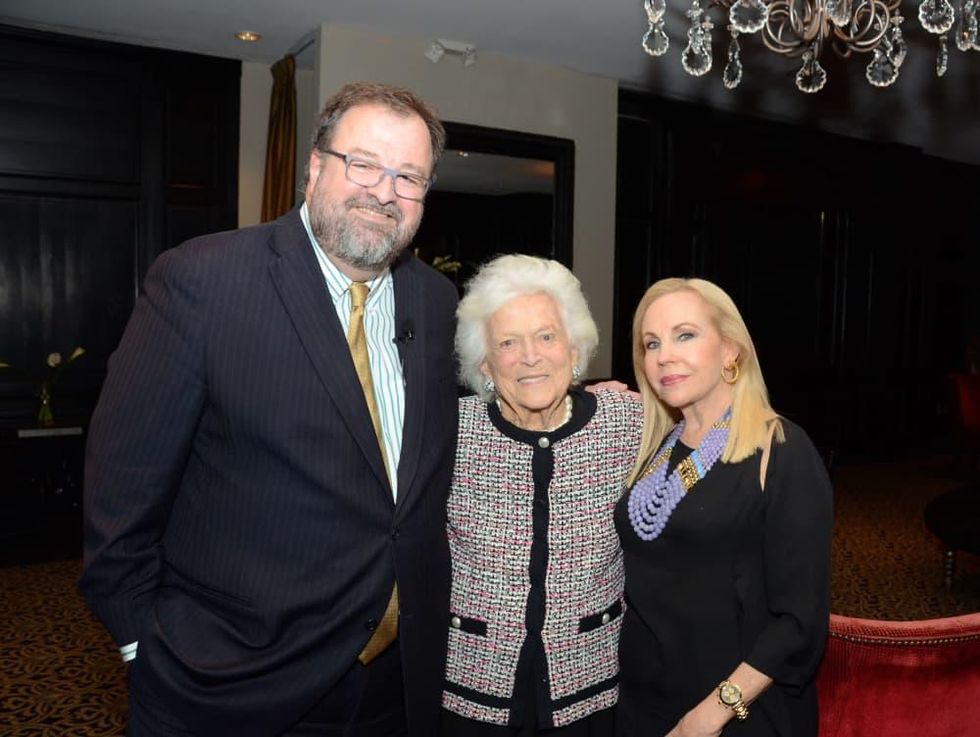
point(268, 464)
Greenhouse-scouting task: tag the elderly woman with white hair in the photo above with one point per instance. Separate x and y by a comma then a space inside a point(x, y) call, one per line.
point(537, 591)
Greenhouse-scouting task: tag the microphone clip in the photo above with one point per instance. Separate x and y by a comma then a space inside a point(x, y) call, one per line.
point(406, 334)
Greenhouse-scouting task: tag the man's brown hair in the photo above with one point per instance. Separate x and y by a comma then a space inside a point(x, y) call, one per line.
point(398, 99)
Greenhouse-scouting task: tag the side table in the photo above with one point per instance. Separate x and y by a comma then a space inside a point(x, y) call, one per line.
point(954, 517)
point(40, 492)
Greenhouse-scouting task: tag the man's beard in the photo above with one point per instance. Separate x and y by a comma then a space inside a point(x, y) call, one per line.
point(359, 243)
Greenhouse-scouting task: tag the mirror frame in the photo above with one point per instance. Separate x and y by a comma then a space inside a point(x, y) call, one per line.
point(560, 151)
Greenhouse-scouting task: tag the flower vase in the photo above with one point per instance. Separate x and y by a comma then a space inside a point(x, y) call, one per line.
point(45, 417)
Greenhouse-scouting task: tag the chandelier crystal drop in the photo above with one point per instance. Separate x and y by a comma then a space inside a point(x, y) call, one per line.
point(812, 77)
point(942, 59)
point(839, 12)
point(882, 71)
point(655, 10)
point(733, 69)
point(655, 40)
point(967, 28)
point(897, 48)
point(936, 16)
point(748, 16)
point(810, 29)
point(696, 57)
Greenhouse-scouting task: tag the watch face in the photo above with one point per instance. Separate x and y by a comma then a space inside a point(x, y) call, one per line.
point(729, 694)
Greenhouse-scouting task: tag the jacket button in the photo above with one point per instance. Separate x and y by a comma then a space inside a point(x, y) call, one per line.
point(371, 625)
point(456, 622)
point(395, 534)
point(543, 442)
point(606, 618)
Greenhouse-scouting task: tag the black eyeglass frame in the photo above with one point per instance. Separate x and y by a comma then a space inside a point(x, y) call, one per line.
point(385, 172)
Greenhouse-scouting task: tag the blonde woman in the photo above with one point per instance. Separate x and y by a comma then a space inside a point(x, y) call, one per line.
point(725, 528)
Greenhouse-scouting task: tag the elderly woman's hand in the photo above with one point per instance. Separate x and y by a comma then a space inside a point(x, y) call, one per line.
point(611, 386)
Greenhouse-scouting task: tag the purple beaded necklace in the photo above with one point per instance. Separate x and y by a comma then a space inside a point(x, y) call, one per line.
point(654, 496)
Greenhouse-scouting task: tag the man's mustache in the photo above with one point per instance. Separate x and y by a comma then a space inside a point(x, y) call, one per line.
point(373, 203)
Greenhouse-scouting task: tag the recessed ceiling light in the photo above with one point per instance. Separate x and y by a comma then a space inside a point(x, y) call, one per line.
point(248, 36)
point(463, 154)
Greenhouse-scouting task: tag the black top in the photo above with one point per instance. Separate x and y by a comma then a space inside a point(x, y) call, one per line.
point(532, 699)
point(738, 574)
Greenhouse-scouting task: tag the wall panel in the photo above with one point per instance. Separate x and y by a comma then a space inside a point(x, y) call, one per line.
point(852, 262)
point(108, 155)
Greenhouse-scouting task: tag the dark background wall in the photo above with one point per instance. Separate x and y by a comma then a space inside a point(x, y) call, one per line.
point(109, 154)
point(473, 228)
point(854, 264)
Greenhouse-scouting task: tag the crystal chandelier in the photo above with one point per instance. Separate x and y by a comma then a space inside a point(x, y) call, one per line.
point(803, 28)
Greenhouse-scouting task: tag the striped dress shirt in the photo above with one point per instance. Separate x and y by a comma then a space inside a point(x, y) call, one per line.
point(379, 327)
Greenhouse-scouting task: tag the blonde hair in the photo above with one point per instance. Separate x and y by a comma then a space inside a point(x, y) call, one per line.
point(752, 415)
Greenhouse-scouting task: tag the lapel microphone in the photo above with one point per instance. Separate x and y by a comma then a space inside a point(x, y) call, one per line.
point(406, 334)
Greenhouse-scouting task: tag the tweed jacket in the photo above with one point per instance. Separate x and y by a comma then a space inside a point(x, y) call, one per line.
point(537, 589)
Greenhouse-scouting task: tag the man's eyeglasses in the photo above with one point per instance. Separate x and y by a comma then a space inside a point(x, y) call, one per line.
point(368, 173)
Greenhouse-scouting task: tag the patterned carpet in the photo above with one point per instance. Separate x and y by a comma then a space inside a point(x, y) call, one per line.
point(886, 564)
point(60, 675)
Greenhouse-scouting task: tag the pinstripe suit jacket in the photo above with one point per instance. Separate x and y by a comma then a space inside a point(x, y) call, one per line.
point(238, 520)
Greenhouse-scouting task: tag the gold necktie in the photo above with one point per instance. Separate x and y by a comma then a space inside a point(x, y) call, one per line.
point(387, 629)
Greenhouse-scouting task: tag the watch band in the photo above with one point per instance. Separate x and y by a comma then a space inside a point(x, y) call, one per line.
point(741, 710)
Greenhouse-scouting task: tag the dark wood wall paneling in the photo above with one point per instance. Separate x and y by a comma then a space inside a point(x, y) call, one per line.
point(854, 264)
point(109, 154)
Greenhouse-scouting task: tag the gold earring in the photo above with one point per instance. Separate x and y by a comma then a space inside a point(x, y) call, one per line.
point(733, 367)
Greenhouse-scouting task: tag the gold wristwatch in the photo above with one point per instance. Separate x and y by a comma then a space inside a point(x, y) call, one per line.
point(730, 695)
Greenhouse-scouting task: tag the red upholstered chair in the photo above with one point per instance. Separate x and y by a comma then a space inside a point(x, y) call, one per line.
point(964, 390)
point(901, 679)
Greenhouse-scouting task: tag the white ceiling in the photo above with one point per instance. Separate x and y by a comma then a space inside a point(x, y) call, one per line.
point(602, 37)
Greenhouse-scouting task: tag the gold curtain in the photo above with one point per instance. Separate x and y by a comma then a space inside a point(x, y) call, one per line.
point(278, 188)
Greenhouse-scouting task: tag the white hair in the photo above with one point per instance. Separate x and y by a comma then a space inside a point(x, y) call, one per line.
point(498, 282)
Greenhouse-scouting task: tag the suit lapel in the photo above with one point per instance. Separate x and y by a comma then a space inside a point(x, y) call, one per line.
point(299, 282)
point(410, 312)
